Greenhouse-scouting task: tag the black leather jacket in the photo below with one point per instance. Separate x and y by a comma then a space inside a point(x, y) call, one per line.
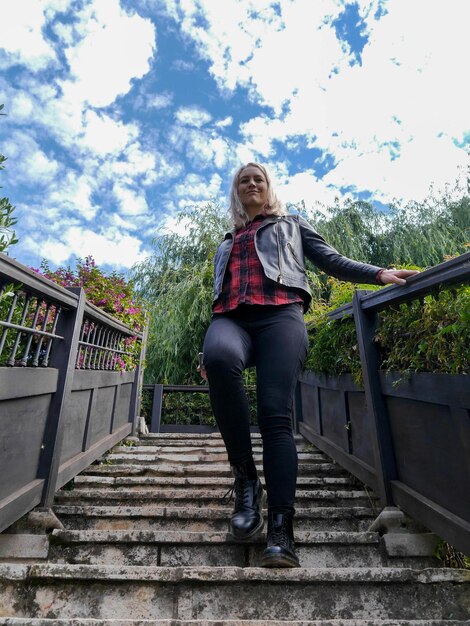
point(281, 243)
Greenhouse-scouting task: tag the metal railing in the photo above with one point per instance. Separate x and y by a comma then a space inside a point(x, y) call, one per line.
point(62, 401)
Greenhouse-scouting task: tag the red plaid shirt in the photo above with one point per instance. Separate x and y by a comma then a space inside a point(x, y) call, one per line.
point(245, 281)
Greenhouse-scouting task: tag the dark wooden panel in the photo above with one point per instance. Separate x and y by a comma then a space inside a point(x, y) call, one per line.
point(21, 436)
point(92, 379)
point(333, 418)
point(16, 382)
point(19, 503)
point(450, 527)
point(123, 403)
point(355, 466)
point(310, 407)
point(78, 463)
point(100, 419)
point(430, 457)
point(360, 432)
point(76, 409)
point(439, 388)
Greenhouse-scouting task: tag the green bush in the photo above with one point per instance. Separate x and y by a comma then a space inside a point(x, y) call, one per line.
point(431, 334)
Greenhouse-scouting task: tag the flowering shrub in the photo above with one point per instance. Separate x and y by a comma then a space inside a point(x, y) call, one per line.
point(112, 294)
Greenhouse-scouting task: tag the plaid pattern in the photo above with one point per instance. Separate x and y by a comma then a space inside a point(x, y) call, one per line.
point(245, 281)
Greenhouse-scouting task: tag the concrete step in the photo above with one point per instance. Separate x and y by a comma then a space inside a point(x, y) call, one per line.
point(133, 482)
point(355, 519)
point(194, 448)
point(205, 497)
point(135, 456)
point(218, 549)
point(215, 593)
point(19, 621)
point(129, 468)
point(210, 438)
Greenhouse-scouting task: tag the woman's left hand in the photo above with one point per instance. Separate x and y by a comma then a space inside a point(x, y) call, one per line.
point(396, 276)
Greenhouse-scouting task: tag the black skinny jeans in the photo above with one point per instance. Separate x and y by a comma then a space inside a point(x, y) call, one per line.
point(274, 340)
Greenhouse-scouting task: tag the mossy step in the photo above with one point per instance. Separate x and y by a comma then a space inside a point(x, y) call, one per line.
point(130, 454)
point(204, 497)
point(106, 466)
point(150, 517)
point(19, 621)
point(206, 481)
point(215, 593)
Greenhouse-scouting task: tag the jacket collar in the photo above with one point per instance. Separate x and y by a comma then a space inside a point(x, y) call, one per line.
point(269, 219)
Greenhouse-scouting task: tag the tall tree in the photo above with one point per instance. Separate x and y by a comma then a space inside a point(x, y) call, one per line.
point(7, 234)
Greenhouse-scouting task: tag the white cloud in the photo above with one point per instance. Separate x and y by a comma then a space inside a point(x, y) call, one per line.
point(305, 186)
point(195, 188)
point(72, 194)
point(159, 100)
point(227, 121)
point(131, 201)
point(192, 116)
point(115, 48)
point(103, 135)
point(409, 96)
point(112, 248)
point(28, 164)
point(21, 35)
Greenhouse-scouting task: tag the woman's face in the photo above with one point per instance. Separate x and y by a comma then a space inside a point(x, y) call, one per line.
point(252, 190)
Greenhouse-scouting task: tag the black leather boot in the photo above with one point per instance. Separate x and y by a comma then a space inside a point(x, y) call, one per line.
point(280, 551)
point(247, 519)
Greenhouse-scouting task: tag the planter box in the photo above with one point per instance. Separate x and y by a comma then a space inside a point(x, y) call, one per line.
point(429, 417)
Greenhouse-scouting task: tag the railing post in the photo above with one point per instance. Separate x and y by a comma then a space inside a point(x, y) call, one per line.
point(366, 324)
point(156, 408)
point(136, 395)
point(63, 358)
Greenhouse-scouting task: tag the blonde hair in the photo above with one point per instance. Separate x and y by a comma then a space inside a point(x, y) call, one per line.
point(236, 211)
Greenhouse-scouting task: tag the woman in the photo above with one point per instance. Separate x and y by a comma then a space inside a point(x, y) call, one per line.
point(260, 293)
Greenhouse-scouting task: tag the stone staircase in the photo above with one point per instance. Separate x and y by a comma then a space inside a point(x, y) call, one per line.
point(145, 541)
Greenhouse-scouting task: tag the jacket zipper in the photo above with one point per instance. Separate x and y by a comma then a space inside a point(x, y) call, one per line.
point(279, 278)
point(301, 265)
point(226, 263)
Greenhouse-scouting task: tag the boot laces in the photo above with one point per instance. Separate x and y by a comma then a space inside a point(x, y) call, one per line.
point(278, 536)
point(241, 489)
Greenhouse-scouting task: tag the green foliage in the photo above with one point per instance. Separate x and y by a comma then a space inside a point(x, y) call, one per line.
point(450, 557)
point(333, 346)
point(190, 408)
point(7, 221)
point(177, 283)
point(427, 335)
point(416, 232)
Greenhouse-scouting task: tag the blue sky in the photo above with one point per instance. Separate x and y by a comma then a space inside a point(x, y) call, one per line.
point(122, 112)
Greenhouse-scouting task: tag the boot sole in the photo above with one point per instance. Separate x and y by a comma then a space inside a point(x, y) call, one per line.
point(277, 560)
point(251, 534)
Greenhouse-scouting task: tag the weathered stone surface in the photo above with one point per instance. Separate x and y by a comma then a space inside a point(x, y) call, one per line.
point(147, 543)
point(150, 517)
point(21, 546)
point(238, 593)
point(198, 497)
point(175, 622)
point(210, 469)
